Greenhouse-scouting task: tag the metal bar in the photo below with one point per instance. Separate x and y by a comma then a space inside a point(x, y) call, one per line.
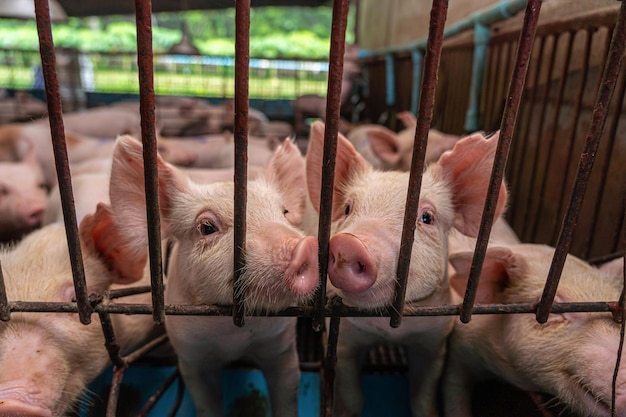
point(131, 357)
point(242, 61)
point(576, 118)
point(482, 34)
point(555, 119)
point(432, 58)
point(114, 392)
point(333, 106)
point(143, 11)
point(603, 99)
point(622, 306)
point(5, 311)
point(55, 117)
point(180, 392)
point(109, 340)
point(145, 410)
point(507, 126)
point(533, 203)
point(327, 381)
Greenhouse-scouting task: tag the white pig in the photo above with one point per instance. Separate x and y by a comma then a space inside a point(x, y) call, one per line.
point(48, 359)
point(386, 149)
point(282, 268)
point(571, 357)
point(23, 197)
point(367, 213)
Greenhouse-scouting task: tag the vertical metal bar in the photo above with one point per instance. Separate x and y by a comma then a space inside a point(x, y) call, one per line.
point(554, 124)
point(333, 105)
point(109, 341)
point(622, 307)
point(5, 311)
point(524, 139)
point(432, 58)
point(242, 61)
point(114, 392)
point(507, 126)
point(55, 117)
point(533, 202)
point(577, 112)
point(143, 11)
point(601, 108)
point(328, 369)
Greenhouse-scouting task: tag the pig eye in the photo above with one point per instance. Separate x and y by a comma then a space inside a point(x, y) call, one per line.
point(4, 190)
point(348, 209)
point(206, 228)
point(285, 211)
point(427, 217)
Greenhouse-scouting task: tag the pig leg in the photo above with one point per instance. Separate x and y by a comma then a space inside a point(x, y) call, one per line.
point(425, 368)
point(282, 374)
point(204, 385)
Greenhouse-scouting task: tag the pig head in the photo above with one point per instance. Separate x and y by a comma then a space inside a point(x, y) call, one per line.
point(367, 216)
point(23, 197)
point(571, 357)
point(47, 359)
point(281, 268)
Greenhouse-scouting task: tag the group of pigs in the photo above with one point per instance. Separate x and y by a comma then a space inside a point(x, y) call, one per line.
point(47, 359)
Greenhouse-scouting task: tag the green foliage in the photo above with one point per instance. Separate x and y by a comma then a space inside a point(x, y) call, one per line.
point(275, 32)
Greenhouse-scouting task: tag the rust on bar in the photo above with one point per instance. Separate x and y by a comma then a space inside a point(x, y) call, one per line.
point(507, 126)
point(333, 104)
point(55, 117)
point(327, 381)
point(5, 311)
point(154, 398)
point(110, 342)
point(610, 75)
point(432, 58)
point(114, 392)
point(242, 62)
point(554, 123)
point(143, 11)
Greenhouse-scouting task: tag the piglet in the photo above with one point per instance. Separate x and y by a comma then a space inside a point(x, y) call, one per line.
point(367, 215)
point(281, 268)
point(48, 359)
point(571, 357)
point(23, 197)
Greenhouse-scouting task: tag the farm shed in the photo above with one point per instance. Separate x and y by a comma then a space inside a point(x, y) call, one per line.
point(555, 94)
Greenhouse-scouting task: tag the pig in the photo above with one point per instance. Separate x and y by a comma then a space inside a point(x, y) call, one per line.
point(388, 150)
point(282, 268)
point(48, 359)
point(571, 357)
point(367, 213)
point(23, 197)
point(101, 122)
point(614, 268)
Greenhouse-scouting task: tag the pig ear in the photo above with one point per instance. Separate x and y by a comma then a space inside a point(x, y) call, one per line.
point(286, 169)
point(127, 189)
point(407, 118)
point(500, 266)
point(348, 164)
point(100, 235)
point(30, 155)
point(468, 169)
point(384, 144)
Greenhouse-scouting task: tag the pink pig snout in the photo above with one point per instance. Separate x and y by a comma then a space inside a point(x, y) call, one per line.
point(350, 265)
point(302, 274)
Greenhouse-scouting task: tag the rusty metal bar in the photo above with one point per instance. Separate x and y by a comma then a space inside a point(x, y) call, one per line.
point(145, 410)
point(622, 307)
point(109, 340)
point(5, 311)
point(523, 139)
point(507, 126)
point(308, 311)
point(555, 119)
point(328, 369)
point(333, 105)
point(242, 61)
point(605, 169)
point(114, 392)
point(612, 69)
point(577, 113)
point(55, 117)
point(143, 11)
point(432, 58)
point(533, 203)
